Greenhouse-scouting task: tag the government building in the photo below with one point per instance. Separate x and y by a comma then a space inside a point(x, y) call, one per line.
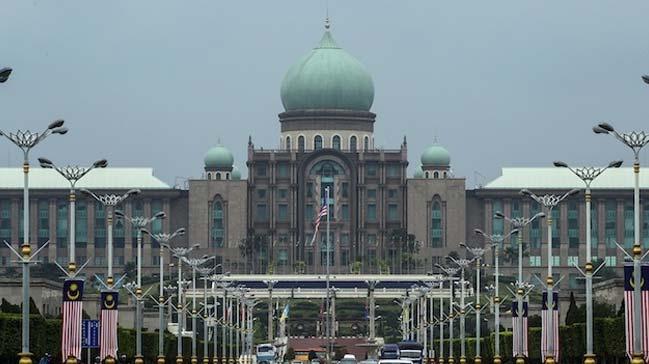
point(381, 219)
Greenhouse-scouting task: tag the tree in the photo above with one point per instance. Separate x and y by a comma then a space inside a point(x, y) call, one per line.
point(251, 246)
point(290, 353)
point(572, 315)
point(7, 307)
point(130, 269)
point(620, 312)
point(510, 253)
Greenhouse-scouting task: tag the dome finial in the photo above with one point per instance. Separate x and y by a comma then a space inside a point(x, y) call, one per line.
point(327, 22)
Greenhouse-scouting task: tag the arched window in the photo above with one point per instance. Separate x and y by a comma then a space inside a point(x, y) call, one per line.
point(209, 175)
point(288, 143)
point(218, 230)
point(436, 175)
point(436, 231)
point(352, 143)
point(366, 143)
point(300, 143)
point(445, 174)
point(427, 175)
point(317, 142)
point(335, 142)
point(227, 176)
point(218, 176)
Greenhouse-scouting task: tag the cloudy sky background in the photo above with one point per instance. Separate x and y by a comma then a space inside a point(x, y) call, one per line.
point(155, 83)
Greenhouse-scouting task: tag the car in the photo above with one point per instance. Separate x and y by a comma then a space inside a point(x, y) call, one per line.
point(395, 361)
point(390, 351)
point(348, 359)
point(369, 361)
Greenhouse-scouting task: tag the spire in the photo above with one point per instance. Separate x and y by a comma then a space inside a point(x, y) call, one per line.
point(327, 24)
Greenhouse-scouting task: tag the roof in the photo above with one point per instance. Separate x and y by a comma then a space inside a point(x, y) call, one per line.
point(99, 179)
point(562, 178)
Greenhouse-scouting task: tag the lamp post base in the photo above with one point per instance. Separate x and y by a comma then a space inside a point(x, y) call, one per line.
point(161, 359)
point(71, 360)
point(25, 358)
point(206, 360)
point(477, 360)
point(179, 360)
point(497, 359)
point(463, 360)
point(194, 360)
point(451, 360)
point(589, 359)
point(638, 358)
point(139, 359)
point(550, 360)
point(109, 360)
point(520, 359)
point(440, 361)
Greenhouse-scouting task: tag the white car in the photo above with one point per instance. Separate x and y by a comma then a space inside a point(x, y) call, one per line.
point(348, 359)
point(395, 361)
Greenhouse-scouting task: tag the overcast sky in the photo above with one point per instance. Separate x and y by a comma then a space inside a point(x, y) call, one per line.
point(153, 83)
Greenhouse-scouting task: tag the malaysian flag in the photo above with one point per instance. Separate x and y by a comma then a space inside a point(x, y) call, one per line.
point(629, 302)
point(72, 316)
point(555, 323)
point(324, 211)
point(108, 325)
point(516, 322)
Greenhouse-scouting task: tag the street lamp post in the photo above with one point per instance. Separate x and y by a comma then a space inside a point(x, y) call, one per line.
point(180, 253)
point(549, 202)
point(270, 284)
point(462, 264)
point(26, 140)
point(195, 263)
point(519, 223)
point(495, 240)
point(588, 175)
point(72, 174)
point(636, 141)
point(204, 272)
point(139, 223)
point(451, 272)
point(477, 253)
point(440, 355)
point(163, 240)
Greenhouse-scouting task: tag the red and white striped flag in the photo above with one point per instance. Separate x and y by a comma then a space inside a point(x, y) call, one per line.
point(72, 316)
point(629, 303)
point(555, 324)
point(108, 330)
point(324, 211)
point(517, 317)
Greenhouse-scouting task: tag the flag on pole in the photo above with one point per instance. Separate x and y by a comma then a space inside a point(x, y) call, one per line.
point(324, 211)
point(285, 313)
point(108, 329)
point(72, 316)
point(629, 303)
point(517, 317)
point(555, 324)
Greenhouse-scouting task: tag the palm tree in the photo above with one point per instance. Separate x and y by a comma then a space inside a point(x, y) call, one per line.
point(398, 237)
point(510, 253)
point(251, 246)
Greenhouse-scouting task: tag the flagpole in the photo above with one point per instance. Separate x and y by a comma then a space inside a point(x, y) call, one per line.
point(328, 322)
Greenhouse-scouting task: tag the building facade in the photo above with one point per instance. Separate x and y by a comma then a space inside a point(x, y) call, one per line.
point(380, 219)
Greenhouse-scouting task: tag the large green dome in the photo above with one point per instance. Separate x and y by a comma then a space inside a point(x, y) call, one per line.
point(435, 155)
point(327, 78)
point(236, 174)
point(218, 157)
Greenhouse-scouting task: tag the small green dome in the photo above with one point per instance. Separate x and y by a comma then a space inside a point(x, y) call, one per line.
point(419, 173)
point(236, 174)
point(327, 78)
point(435, 155)
point(218, 157)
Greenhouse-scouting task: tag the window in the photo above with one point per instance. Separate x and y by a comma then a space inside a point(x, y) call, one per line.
point(556, 260)
point(261, 170)
point(118, 233)
point(81, 224)
point(282, 257)
point(261, 213)
point(317, 142)
point(345, 190)
point(309, 189)
point(100, 225)
point(282, 169)
point(393, 170)
point(156, 225)
point(497, 225)
point(611, 260)
point(5, 220)
point(371, 194)
point(610, 224)
point(556, 228)
point(573, 260)
point(393, 212)
point(436, 226)
point(535, 260)
point(366, 143)
point(573, 225)
point(344, 239)
point(282, 193)
point(61, 223)
point(345, 212)
point(300, 143)
point(138, 210)
point(628, 224)
point(261, 193)
point(594, 224)
point(218, 228)
point(435, 175)
point(371, 239)
point(282, 212)
point(335, 142)
point(344, 257)
point(288, 142)
point(371, 212)
point(308, 212)
point(393, 193)
point(44, 221)
point(352, 143)
point(371, 169)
